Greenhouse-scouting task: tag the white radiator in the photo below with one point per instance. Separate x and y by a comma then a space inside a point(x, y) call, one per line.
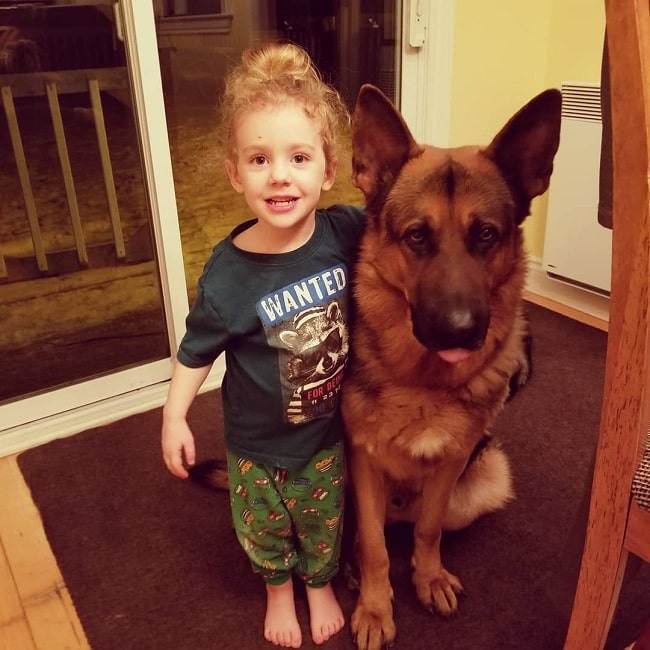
point(577, 249)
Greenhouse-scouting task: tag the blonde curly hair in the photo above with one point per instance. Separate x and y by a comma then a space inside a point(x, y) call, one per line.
point(271, 75)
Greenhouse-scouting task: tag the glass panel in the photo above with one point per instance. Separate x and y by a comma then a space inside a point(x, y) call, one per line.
point(79, 285)
point(351, 42)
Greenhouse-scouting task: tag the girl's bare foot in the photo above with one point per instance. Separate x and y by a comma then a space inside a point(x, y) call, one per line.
point(325, 615)
point(281, 623)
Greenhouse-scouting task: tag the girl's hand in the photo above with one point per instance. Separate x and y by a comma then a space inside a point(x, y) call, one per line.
point(178, 447)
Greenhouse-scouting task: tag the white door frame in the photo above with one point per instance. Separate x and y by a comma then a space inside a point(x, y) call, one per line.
point(426, 93)
point(426, 70)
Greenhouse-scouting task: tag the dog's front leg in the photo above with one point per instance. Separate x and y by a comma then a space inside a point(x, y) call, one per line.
point(372, 621)
point(436, 588)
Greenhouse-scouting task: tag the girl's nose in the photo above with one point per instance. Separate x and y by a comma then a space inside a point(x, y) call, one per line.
point(279, 172)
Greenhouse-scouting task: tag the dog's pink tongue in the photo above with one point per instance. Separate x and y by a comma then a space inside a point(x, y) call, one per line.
point(455, 355)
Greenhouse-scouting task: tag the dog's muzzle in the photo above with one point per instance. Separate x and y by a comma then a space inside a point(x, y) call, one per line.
point(462, 327)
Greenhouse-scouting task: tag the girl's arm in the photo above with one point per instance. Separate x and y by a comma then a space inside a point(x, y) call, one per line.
point(177, 438)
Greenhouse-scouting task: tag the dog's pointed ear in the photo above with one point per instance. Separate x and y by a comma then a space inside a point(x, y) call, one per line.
point(381, 144)
point(525, 147)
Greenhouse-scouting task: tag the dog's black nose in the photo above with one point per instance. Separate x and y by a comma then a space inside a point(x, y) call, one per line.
point(455, 328)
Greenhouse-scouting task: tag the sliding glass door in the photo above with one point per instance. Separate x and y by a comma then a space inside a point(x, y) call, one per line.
point(87, 309)
point(80, 287)
point(113, 191)
point(350, 42)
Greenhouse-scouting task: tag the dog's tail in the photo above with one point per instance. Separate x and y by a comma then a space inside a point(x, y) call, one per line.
point(485, 486)
point(212, 474)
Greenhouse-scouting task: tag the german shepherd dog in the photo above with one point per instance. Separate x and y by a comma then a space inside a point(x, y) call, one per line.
point(437, 339)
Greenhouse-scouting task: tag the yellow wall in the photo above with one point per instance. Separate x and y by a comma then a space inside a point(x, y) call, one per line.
point(505, 52)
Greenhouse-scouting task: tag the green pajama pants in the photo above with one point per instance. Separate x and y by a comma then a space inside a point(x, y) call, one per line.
point(290, 521)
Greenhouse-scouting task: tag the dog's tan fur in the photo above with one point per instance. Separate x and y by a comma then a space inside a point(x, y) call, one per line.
point(442, 258)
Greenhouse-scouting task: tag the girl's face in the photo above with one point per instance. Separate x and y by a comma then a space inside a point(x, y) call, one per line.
point(280, 165)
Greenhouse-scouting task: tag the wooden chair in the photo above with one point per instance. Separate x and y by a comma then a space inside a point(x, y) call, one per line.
point(617, 525)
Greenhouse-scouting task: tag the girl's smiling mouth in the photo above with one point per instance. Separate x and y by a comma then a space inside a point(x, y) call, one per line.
point(281, 201)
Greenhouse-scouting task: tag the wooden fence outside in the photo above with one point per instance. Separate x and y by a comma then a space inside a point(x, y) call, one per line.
point(52, 85)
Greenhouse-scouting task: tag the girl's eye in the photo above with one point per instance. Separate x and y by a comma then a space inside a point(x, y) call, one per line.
point(300, 158)
point(258, 160)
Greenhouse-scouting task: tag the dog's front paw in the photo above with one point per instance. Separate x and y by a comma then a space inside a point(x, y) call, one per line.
point(439, 593)
point(372, 630)
point(524, 368)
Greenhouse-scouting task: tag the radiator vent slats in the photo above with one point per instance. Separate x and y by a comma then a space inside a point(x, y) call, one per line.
point(581, 101)
point(577, 249)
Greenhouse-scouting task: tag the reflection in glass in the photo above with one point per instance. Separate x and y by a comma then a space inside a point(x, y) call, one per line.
point(351, 42)
point(79, 289)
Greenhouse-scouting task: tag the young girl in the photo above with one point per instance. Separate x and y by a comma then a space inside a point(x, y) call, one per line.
point(274, 297)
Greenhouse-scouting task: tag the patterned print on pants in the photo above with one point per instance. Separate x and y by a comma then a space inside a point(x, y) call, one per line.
point(290, 521)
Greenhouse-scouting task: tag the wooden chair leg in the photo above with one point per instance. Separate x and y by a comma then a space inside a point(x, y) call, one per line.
point(597, 593)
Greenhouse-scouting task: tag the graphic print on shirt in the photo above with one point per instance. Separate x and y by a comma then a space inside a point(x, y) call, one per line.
point(307, 323)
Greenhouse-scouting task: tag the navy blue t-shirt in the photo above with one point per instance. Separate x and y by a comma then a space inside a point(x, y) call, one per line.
point(282, 321)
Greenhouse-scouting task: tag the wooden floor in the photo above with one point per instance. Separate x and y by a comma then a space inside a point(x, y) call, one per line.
point(36, 609)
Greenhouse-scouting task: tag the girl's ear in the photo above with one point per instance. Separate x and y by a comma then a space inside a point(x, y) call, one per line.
point(233, 176)
point(330, 176)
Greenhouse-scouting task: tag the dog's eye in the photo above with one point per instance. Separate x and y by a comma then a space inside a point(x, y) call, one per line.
point(416, 237)
point(488, 235)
